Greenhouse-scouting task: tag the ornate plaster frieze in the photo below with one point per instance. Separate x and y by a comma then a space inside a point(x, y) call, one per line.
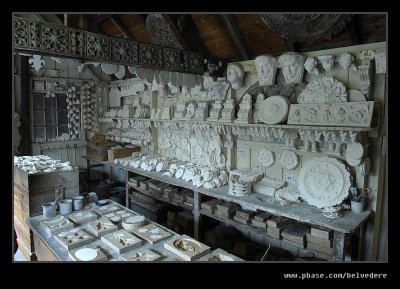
point(355, 114)
point(324, 182)
point(56, 40)
point(324, 90)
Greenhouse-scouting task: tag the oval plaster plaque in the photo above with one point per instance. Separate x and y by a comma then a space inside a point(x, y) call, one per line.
point(324, 182)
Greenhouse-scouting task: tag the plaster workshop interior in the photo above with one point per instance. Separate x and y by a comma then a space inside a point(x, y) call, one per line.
point(200, 137)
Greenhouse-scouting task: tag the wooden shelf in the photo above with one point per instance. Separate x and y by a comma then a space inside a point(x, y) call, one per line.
point(147, 193)
point(302, 212)
point(262, 234)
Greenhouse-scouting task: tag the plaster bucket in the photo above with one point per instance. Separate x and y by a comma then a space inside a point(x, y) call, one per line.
point(78, 202)
point(357, 207)
point(65, 206)
point(49, 210)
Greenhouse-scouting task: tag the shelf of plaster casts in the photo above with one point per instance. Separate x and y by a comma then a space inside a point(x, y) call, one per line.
point(302, 212)
point(62, 144)
point(147, 193)
point(260, 125)
point(123, 118)
point(45, 91)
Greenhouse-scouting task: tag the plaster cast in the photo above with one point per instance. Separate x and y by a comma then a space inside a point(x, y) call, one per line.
point(291, 64)
point(266, 67)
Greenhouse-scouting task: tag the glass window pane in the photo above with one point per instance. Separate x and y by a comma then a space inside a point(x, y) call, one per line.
point(62, 117)
point(38, 101)
point(51, 117)
point(40, 133)
point(62, 129)
point(51, 133)
point(38, 117)
point(51, 102)
point(61, 101)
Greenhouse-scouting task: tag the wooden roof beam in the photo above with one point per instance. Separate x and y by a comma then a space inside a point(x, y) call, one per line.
point(234, 31)
point(187, 31)
point(353, 31)
point(121, 27)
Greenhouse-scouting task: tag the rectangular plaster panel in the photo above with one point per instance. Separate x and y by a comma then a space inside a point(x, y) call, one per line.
point(146, 255)
point(152, 233)
point(101, 227)
point(187, 248)
point(354, 114)
point(219, 255)
point(73, 239)
point(56, 225)
point(83, 217)
point(121, 241)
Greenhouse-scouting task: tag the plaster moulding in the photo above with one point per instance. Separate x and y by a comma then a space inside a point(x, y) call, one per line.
point(56, 225)
point(73, 239)
point(187, 248)
point(289, 159)
point(152, 233)
point(219, 255)
point(235, 75)
point(147, 255)
point(324, 182)
point(351, 114)
point(266, 158)
point(324, 90)
point(311, 65)
point(380, 62)
point(327, 61)
point(121, 241)
point(266, 67)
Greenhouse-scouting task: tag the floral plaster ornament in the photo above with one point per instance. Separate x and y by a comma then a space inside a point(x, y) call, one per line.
point(37, 62)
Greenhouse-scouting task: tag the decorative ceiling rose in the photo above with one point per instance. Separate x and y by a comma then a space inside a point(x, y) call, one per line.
point(306, 27)
point(324, 182)
point(160, 31)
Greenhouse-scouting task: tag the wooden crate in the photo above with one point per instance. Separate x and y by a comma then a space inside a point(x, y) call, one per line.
point(30, 192)
point(98, 150)
point(121, 152)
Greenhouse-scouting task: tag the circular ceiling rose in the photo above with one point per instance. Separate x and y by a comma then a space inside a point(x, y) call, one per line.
point(274, 109)
point(324, 182)
point(306, 27)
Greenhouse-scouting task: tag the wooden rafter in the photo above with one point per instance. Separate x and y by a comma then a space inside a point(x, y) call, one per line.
point(188, 32)
point(353, 31)
point(234, 31)
point(121, 27)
